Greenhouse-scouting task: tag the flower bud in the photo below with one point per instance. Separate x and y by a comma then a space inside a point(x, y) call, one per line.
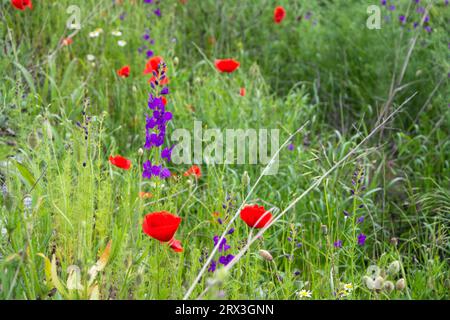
point(378, 283)
point(369, 282)
point(394, 268)
point(176, 61)
point(324, 229)
point(140, 151)
point(245, 179)
point(266, 255)
point(388, 286)
point(401, 284)
point(394, 241)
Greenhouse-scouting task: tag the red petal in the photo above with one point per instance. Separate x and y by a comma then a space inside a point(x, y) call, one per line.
point(251, 214)
point(175, 245)
point(120, 162)
point(161, 225)
point(227, 65)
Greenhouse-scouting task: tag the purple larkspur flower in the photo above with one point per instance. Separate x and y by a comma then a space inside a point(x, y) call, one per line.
point(361, 239)
point(167, 153)
point(219, 221)
point(308, 15)
point(289, 239)
point(146, 36)
point(346, 213)
point(212, 266)
point(149, 53)
point(420, 10)
point(147, 172)
point(428, 29)
point(291, 146)
point(157, 12)
point(165, 173)
point(223, 246)
point(402, 18)
point(391, 7)
point(122, 16)
point(299, 244)
point(338, 244)
point(165, 91)
point(297, 273)
point(148, 1)
point(231, 231)
point(225, 260)
point(383, 2)
point(360, 219)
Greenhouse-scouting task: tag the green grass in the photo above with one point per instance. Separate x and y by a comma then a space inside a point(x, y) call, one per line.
point(333, 75)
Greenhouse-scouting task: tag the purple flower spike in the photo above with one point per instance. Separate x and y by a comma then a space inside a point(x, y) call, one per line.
point(360, 219)
point(338, 244)
point(223, 246)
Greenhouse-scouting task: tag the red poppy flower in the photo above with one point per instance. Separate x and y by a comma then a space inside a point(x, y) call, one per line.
point(22, 4)
point(124, 72)
point(67, 41)
point(242, 92)
point(194, 170)
point(279, 14)
point(120, 162)
point(227, 65)
point(251, 215)
point(162, 226)
point(152, 65)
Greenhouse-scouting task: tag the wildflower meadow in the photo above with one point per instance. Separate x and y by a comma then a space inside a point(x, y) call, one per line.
point(225, 149)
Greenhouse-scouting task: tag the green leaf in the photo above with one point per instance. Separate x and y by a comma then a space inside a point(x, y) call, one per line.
point(26, 174)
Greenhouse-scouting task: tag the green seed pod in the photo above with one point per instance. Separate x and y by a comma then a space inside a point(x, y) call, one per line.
point(245, 179)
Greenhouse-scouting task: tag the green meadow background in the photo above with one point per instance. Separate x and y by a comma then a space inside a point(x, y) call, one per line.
point(321, 66)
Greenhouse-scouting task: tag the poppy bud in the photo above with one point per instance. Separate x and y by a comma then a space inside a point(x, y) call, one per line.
point(394, 268)
point(324, 229)
point(400, 285)
point(245, 179)
point(388, 286)
point(140, 151)
point(176, 61)
point(266, 255)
